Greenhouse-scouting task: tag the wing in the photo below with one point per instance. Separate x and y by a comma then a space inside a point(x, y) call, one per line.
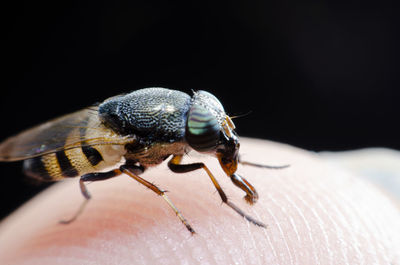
point(81, 128)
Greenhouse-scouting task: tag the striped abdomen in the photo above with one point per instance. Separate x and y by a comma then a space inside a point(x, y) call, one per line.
point(75, 161)
point(67, 163)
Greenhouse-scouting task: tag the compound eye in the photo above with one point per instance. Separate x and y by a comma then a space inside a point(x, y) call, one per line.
point(202, 129)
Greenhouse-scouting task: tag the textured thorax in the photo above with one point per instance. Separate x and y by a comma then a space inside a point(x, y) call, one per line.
point(152, 114)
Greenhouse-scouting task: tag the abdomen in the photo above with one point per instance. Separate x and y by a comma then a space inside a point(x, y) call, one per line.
point(73, 162)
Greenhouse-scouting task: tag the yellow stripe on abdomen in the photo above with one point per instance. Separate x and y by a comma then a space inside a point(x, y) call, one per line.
point(53, 169)
point(80, 161)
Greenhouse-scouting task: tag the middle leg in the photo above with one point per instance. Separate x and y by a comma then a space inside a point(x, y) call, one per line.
point(133, 171)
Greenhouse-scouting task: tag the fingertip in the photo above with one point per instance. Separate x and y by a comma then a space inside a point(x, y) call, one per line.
point(314, 213)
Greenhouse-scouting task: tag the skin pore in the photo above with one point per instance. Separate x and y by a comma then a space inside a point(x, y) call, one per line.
point(315, 214)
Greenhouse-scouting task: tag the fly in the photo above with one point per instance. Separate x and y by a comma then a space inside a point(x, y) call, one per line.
point(144, 127)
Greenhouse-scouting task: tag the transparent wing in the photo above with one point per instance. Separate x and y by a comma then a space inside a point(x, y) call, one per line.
point(81, 128)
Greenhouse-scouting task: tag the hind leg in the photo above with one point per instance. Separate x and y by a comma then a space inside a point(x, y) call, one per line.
point(87, 178)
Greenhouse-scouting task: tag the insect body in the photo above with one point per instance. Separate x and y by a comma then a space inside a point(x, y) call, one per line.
point(144, 127)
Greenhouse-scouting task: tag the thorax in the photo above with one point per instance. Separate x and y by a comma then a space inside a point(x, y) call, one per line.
point(155, 153)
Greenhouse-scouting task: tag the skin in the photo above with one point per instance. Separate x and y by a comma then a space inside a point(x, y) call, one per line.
point(316, 214)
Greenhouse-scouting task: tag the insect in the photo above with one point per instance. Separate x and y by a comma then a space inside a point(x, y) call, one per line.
point(144, 127)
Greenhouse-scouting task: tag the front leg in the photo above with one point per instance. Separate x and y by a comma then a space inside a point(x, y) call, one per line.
point(240, 161)
point(251, 193)
point(175, 166)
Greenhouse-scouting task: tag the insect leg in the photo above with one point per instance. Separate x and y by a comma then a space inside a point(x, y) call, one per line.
point(260, 165)
point(251, 193)
point(85, 178)
point(175, 166)
point(131, 170)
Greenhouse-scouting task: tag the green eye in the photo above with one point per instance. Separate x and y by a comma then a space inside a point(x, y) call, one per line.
point(202, 129)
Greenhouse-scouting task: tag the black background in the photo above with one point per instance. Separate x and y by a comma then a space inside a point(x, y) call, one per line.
point(315, 74)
